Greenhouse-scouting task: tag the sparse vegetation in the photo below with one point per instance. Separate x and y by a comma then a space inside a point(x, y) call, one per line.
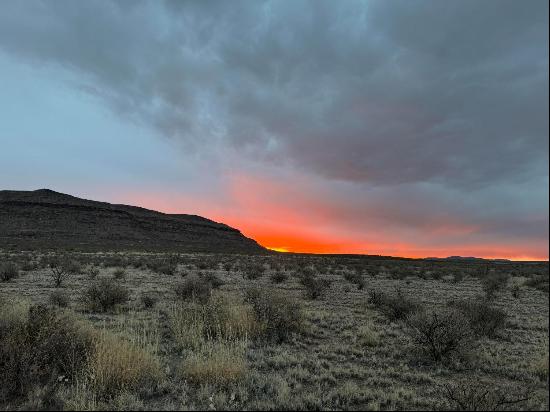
point(194, 288)
point(215, 339)
point(59, 298)
point(494, 283)
point(315, 287)
point(395, 306)
point(8, 271)
point(484, 319)
point(104, 295)
point(440, 333)
point(279, 317)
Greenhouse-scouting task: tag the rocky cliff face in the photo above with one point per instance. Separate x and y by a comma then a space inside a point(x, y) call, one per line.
point(44, 219)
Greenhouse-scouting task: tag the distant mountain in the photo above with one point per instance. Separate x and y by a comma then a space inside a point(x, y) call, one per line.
point(44, 219)
point(468, 259)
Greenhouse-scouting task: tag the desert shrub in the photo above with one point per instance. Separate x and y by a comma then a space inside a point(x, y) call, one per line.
point(278, 277)
point(167, 268)
point(104, 294)
point(472, 394)
point(116, 365)
point(366, 336)
point(458, 276)
point(540, 367)
point(493, 283)
point(253, 271)
point(440, 333)
point(37, 346)
point(28, 265)
point(355, 277)
point(59, 298)
point(315, 287)
point(484, 319)
point(278, 315)
point(516, 291)
point(119, 274)
point(194, 288)
point(395, 306)
point(217, 363)
point(539, 282)
point(92, 272)
point(376, 297)
point(436, 275)
point(215, 281)
point(8, 271)
point(148, 300)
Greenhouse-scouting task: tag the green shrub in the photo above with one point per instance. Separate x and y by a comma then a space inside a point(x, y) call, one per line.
point(253, 271)
point(539, 282)
point(8, 271)
point(148, 300)
point(396, 306)
point(104, 294)
point(278, 315)
point(278, 277)
point(194, 288)
point(37, 346)
point(315, 286)
point(59, 298)
point(493, 283)
point(92, 272)
point(355, 277)
point(119, 274)
point(215, 282)
point(484, 319)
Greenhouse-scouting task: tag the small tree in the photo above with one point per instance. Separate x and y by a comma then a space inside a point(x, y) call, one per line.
point(61, 268)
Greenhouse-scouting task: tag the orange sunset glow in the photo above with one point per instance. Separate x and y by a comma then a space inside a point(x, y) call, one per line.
point(284, 217)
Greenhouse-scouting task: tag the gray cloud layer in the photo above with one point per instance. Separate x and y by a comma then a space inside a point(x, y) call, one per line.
point(451, 96)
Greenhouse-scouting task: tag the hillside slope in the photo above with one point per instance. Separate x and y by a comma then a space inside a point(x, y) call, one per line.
point(44, 219)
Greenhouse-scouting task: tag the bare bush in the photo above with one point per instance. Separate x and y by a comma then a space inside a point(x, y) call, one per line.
point(440, 333)
point(61, 267)
point(472, 394)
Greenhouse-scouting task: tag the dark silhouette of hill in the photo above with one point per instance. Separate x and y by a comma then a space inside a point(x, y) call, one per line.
point(44, 219)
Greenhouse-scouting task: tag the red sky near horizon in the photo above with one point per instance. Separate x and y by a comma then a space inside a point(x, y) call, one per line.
point(287, 219)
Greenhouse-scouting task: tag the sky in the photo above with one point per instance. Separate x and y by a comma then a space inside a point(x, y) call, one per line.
point(405, 128)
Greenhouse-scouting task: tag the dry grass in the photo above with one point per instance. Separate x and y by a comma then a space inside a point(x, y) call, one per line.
point(117, 365)
point(343, 353)
point(218, 362)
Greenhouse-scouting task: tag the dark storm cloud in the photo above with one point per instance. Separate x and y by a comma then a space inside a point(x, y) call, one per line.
point(445, 102)
point(382, 92)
